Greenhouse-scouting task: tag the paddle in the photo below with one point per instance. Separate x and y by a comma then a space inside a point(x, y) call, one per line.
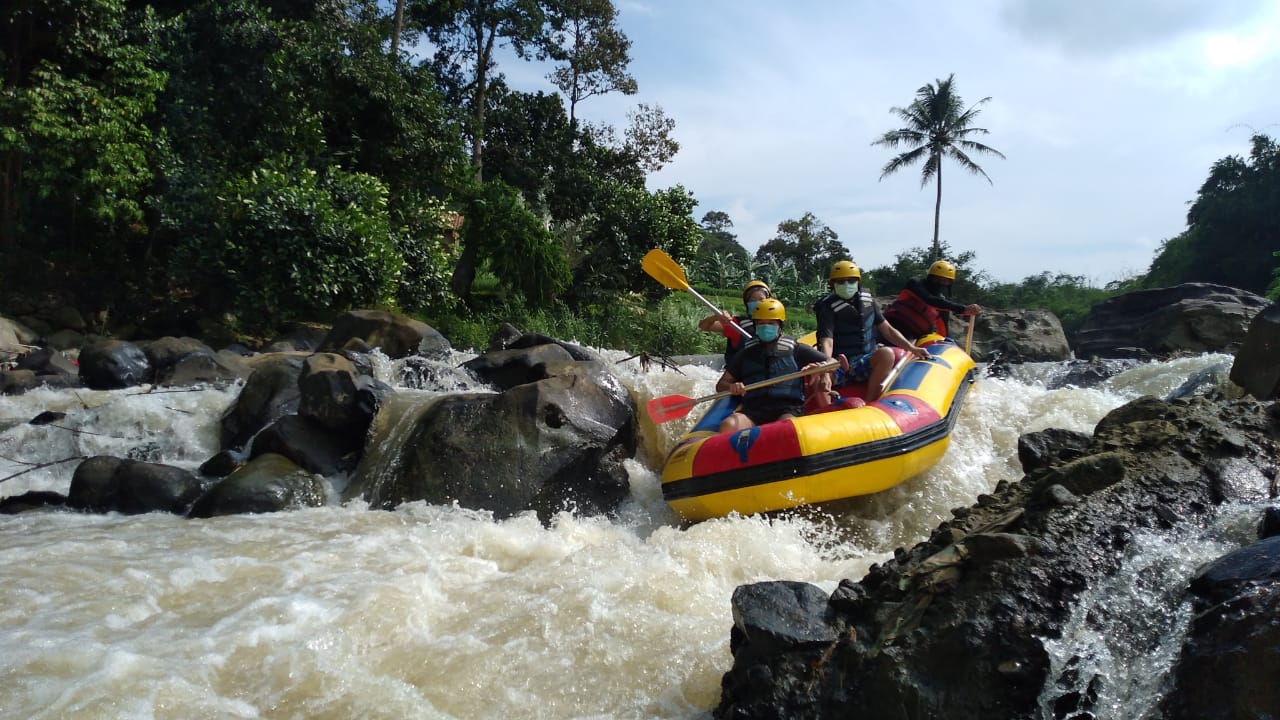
point(897, 368)
point(673, 407)
point(968, 337)
point(662, 268)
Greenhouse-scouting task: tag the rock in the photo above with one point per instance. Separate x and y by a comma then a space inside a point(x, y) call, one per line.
point(397, 336)
point(1016, 336)
point(105, 484)
point(1193, 318)
point(1257, 364)
point(1229, 661)
point(1049, 447)
point(549, 445)
point(15, 338)
point(268, 483)
point(271, 392)
point(1089, 373)
point(31, 500)
point(299, 337)
point(114, 364)
point(505, 369)
point(336, 397)
point(955, 626)
point(310, 445)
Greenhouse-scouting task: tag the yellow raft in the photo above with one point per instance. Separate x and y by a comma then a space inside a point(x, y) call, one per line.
point(842, 451)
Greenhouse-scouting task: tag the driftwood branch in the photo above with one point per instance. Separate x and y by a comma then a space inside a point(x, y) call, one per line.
point(40, 465)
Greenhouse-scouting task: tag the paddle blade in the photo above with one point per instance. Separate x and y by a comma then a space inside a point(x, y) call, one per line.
point(662, 268)
point(669, 407)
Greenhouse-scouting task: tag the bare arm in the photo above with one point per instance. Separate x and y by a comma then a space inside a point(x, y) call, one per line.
point(730, 383)
point(890, 333)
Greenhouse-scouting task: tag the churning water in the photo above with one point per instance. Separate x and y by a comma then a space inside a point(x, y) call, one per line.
point(442, 612)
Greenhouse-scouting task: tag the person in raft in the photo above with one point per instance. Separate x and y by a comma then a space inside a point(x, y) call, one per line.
point(922, 306)
point(769, 355)
point(752, 293)
point(848, 320)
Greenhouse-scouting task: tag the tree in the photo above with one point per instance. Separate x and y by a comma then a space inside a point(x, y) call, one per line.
point(936, 128)
point(77, 152)
point(649, 137)
point(594, 52)
point(465, 34)
point(720, 258)
point(1232, 227)
point(915, 262)
point(808, 244)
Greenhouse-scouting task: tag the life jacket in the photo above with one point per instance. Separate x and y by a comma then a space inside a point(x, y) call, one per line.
point(855, 324)
point(761, 362)
point(734, 339)
point(913, 317)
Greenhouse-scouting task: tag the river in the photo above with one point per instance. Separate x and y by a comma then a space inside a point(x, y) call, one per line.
point(431, 611)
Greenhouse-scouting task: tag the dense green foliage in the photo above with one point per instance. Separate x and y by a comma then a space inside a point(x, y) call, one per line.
point(1233, 227)
point(272, 160)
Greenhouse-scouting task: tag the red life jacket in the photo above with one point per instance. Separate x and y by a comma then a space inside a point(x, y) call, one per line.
point(913, 317)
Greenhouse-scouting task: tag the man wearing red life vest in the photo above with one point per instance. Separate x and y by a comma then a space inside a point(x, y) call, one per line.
point(922, 305)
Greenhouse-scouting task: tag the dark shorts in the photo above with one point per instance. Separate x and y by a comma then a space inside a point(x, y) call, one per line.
point(859, 370)
point(768, 412)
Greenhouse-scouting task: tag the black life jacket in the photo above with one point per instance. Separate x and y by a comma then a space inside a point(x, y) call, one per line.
point(855, 324)
point(761, 361)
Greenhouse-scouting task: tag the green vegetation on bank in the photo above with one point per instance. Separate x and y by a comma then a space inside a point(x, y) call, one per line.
point(256, 162)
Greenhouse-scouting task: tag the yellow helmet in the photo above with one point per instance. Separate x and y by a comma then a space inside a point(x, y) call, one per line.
point(943, 269)
point(769, 309)
point(845, 269)
point(746, 289)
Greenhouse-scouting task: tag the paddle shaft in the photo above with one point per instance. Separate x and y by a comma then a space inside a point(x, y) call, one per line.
point(968, 336)
point(824, 367)
point(897, 368)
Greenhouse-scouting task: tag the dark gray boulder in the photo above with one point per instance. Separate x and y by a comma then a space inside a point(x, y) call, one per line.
point(105, 484)
point(113, 364)
point(1188, 318)
point(555, 444)
point(1014, 336)
point(1257, 364)
point(268, 483)
point(397, 336)
point(956, 626)
point(271, 392)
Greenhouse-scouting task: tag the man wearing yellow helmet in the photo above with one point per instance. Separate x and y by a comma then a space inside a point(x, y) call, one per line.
point(922, 305)
point(848, 320)
point(752, 293)
point(767, 355)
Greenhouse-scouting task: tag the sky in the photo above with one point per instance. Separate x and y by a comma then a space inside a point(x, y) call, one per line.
point(1110, 114)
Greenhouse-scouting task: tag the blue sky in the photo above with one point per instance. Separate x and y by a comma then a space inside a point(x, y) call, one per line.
point(1110, 114)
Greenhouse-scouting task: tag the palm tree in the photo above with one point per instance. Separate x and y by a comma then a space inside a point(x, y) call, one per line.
point(936, 128)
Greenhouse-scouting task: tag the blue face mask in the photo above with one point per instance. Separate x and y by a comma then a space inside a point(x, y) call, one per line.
point(767, 333)
point(751, 307)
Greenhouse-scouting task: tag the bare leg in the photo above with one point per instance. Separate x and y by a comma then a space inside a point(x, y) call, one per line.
point(881, 365)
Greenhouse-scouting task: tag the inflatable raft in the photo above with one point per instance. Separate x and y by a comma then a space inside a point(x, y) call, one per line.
point(844, 450)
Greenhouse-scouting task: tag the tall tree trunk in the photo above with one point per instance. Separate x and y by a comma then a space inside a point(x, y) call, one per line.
point(937, 215)
point(395, 34)
point(464, 273)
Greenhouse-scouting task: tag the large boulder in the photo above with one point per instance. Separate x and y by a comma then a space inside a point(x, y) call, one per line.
point(15, 338)
point(268, 483)
point(961, 625)
point(185, 362)
point(548, 445)
point(1014, 336)
point(1257, 364)
point(108, 364)
point(396, 335)
point(105, 484)
point(271, 392)
point(1231, 657)
point(1190, 318)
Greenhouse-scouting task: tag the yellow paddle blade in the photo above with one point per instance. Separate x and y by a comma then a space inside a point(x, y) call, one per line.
point(662, 268)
